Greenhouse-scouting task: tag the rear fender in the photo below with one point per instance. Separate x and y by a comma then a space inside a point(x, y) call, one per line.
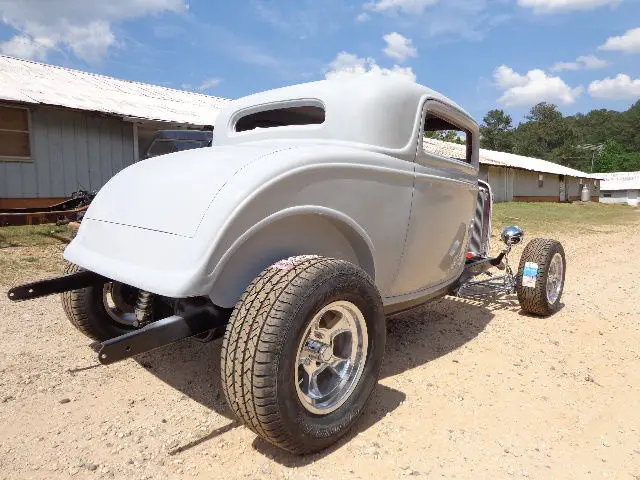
point(308, 230)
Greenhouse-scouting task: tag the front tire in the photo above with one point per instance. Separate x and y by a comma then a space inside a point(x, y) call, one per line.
point(541, 276)
point(302, 352)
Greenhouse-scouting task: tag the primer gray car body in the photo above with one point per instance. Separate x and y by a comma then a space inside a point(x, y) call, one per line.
point(355, 185)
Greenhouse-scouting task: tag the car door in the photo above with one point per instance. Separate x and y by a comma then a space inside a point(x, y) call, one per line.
point(445, 189)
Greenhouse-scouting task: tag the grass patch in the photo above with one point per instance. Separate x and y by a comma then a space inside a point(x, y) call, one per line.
point(34, 235)
point(553, 217)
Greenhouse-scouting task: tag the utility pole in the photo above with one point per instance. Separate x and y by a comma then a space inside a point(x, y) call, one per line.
point(597, 148)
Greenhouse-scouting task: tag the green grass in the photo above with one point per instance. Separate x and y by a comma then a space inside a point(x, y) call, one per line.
point(33, 235)
point(553, 217)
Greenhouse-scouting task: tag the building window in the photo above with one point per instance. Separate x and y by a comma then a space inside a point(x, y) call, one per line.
point(540, 180)
point(14, 134)
point(607, 195)
point(444, 139)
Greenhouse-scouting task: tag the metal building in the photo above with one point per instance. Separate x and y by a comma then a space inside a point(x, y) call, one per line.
point(620, 187)
point(62, 130)
point(523, 179)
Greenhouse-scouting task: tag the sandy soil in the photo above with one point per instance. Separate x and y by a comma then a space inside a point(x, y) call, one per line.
point(468, 390)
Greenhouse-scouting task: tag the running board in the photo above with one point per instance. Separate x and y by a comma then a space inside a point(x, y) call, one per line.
point(72, 281)
point(160, 333)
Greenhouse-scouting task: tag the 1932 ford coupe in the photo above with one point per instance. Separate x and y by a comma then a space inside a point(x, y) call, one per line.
point(320, 209)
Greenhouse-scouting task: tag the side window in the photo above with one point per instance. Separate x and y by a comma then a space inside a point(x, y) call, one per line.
point(444, 139)
point(14, 134)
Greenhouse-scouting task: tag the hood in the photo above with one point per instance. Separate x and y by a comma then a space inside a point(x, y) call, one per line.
point(171, 193)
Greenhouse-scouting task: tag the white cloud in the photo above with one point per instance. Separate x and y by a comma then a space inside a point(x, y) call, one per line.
point(621, 87)
point(589, 62)
point(404, 6)
point(399, 47)
point(347, 64)
point(82, 26)
point(209, 83)
point(363, 17)
point(627, 43)
point(26, 47)
point(556, 6)
point(534, 87)
point(506, 78)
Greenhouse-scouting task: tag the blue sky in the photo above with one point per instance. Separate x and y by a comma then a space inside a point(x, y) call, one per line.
point(580, 54)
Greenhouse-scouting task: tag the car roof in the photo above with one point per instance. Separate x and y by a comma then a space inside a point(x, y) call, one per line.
point(375, 86)
point(372, 109)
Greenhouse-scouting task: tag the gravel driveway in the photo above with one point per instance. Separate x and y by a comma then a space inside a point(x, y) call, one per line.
point(468, 390)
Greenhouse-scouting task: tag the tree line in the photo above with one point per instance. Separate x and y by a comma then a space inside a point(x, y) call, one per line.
point(599, 141)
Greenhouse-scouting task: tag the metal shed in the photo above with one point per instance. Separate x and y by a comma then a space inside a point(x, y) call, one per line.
point(62, 130)
point(523, 179)
point(620, 187)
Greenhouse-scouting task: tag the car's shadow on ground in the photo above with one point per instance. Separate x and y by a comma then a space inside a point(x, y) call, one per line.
point(414, 338)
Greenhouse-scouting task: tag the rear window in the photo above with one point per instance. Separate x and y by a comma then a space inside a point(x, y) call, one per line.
point(281, 117)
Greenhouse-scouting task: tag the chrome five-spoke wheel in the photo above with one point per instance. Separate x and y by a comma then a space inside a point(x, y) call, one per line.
point(331, 357)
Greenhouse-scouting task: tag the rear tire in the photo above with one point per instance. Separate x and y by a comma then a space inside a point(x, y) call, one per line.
point(541, 275)
point(86, 311)
point(279, 318)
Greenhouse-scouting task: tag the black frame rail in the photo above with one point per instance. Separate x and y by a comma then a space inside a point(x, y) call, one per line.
point(160, 333)
point(51, 286)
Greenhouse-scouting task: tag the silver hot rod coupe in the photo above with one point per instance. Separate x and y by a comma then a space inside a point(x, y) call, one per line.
point(320, 209)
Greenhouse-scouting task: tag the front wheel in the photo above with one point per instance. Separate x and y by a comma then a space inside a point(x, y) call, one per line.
point(541, 275)
point(302, 351)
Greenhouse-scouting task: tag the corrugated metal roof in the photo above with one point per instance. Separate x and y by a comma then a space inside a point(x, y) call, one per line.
point(502, 159)
point(32, 82)
point(445, 149)
point(619, 180)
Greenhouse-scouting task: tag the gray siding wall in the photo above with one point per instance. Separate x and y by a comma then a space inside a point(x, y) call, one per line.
point(70, 150)
point(501, 181)
point(573, 187)
point(617, 196)
point(526, 184)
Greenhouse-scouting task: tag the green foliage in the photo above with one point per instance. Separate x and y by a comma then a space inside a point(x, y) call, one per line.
point(614, 158)
point(496, 131)
point(606, 139)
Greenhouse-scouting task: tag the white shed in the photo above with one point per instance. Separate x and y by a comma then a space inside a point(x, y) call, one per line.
point(514, 178)
point(620, 187)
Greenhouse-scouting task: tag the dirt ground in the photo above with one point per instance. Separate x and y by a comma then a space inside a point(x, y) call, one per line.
point(468, 390)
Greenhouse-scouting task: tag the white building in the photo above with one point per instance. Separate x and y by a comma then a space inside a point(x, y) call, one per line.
point(62, 129)
point(514, 178)
point(620, 187)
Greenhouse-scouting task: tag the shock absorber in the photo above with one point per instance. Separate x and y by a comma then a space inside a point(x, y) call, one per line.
point(144, 307)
